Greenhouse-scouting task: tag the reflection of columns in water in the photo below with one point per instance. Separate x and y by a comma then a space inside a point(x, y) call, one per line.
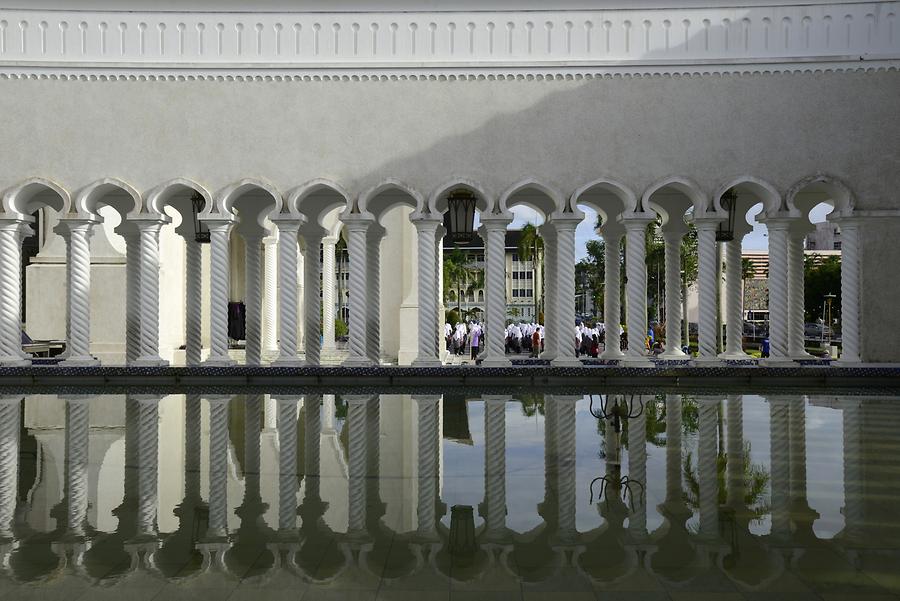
point(373, 459)
point(218, 465)
point(854, 513)
point(564, 407)
point(312, 407)
point(673, 449)
point(798, 449)
point(495, 463)
point(77, 427)
point(550, 468)
point(147, 462)
point(252, 506)
point(287, 463)
point(637, 472)
point(735, 451)
point(428, 441)
point(10, 422)
point(192, 446)
point(780, 466)
point(358, 435)
point(706, 467)
point(328, 412)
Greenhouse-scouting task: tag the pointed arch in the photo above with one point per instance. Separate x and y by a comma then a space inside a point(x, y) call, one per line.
point(296, 197)
point(766, 192)
point(17, 200)
point(617, 189)
point(559, 201)
point(224, 198)
point(842, 196)
point(159, 197)
point(486, 201)
point(684, 185)
point(392, 184)
point(86, 202)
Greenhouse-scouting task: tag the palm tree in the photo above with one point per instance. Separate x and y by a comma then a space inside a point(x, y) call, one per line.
point(460, 276)
point(748, 272)
point(531, 248)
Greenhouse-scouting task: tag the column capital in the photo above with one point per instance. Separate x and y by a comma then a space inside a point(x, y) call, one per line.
point(426, 399)
point(67, 225)
point(494, 222)
point(288, 225)
point(13, 225)
point(780, 223)
point(707, 223)
point(426, 223)
point(633, 220)
point(142, 220)
point(358, 221)
point(565, 220)
point(219, 224)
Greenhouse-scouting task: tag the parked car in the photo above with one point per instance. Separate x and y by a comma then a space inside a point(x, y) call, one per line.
point(816, 330)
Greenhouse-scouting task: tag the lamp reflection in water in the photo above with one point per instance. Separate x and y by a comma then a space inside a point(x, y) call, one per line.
point(613, 412)
point(463, 545)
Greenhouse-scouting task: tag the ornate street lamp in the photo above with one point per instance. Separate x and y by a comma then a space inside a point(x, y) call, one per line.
point(201, 231)
point(725, 231)
point(461, 216)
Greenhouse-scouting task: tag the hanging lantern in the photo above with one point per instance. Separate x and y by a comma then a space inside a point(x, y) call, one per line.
point(460, 221)
point(725, 231)
point(201, 232)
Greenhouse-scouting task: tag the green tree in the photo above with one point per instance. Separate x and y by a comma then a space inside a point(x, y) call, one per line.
point(460, 276)
point(531, 248)
point(821, 276)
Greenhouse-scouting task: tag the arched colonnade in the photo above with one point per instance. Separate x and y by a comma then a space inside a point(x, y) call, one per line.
point(259, 212)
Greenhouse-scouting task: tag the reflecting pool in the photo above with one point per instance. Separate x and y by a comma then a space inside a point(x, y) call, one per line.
point(464, 495)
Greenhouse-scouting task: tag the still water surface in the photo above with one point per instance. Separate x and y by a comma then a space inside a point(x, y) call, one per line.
point(509, 496)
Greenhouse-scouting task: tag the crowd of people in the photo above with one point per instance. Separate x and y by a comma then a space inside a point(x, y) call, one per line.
point(464, 334)
point(588, 339)
point(525, 337)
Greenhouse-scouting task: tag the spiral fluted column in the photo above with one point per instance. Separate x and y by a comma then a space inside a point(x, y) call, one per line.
point(612, 290)
point(219, 274)
point(77, 234)
point(797, 409)
point(428, 349)
point(493, 234)
point(149, 232)
point(495, 464)
point(673, 449)
point(132, 290)
point(147, 463)
point(778, 289)
point(312, 406)
point(551, 322)
point(288, 232)
point(193, 302)
point(850, 292)
point(287, 463)
point(270, 295)
point(218, 466)
point(192, 447)
point(636, 288)
point(637, 472)
point(253, 299)
point(796, 321)
point(358, 462)
point(373, 305)
point(564, 406)
point(312, 294)
point(854, 500)
point(706, 467)
point(565, 289)
point(734, 441)
point(672, 238)
point(328, 285)
point(10, 416)
point(12, 232)
point(780, 454)
point(77, 430)
point(708, 282)
point(358, 289)
point(734, 298)
point(428, 442)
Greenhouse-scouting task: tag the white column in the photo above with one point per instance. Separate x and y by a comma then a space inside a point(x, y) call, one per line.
point(357, 460)
point(328, 285)
point(149, 260)
point(778, 289)
point(147, 463)
point(219, 232)
point(287, 465)
point(10, 416)
point(706, 468)
point(495, 465)
point(12, 232)
point(636, 289)
point(218, 466)
point(373, 292)
point(612, 290)
point(77, 430)
point(708, 282)
point(637, 472)
point(796, 321)
point(312, 293)
point(132, 236)
point(253, 298)
point(270, 296)
point(429, 342)
point(493, 233)
point(288, 231)
point(565, 289)
point(734, 441)
point(672, 237)
point(77, 234)
point(780, 467)
point(551, 313)
point(850, 292)
point(193, 301)
point(428, 442)
point(734, 298)
point(564, 406)
point(357, 227)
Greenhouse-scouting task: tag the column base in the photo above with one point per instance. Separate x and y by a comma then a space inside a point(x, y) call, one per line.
point(150, 362)
point(566, 362)
point(14, 362)
point(802, 356)
point(430, 362)
point(633, 361)
point(80, 361)
point(288, 361)
point(675, 355)
point(358, 362)
point(738, 356)
point(706, 361)
point(219, 362)
point(846, 362)
point(777, 362)
point(612, 355)
point(496, 362)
